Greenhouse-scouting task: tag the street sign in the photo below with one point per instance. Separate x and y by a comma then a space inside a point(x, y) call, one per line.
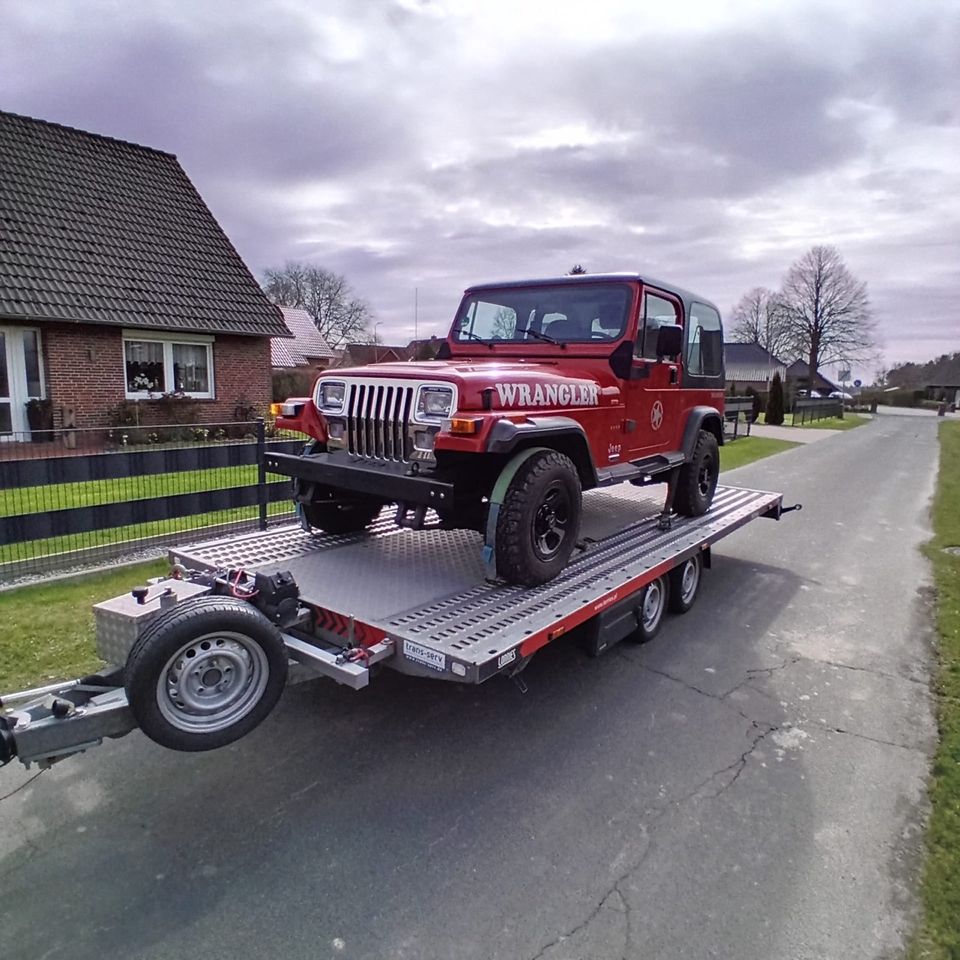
point(858, 383)
point(844, 376)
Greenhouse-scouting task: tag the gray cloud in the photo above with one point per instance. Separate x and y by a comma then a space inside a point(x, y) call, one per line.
point(399, 144)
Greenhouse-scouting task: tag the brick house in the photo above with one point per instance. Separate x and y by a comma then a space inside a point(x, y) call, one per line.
point(117, 285)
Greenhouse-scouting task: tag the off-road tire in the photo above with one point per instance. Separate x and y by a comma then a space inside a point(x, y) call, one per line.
point(546, 482)
point(698, 477)
point(333, 517)
point(204, 620)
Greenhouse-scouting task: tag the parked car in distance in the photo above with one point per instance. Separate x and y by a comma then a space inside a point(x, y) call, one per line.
point(840, 395)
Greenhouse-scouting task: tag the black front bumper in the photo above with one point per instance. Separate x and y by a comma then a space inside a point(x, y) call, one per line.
point(393, 482)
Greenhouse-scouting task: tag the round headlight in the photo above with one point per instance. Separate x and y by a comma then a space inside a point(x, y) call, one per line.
point(331, 395)
point(435, 403)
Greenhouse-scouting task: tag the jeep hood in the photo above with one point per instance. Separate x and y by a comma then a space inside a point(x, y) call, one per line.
point(513, 384)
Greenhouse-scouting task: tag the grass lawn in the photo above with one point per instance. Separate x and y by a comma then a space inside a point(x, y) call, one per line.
point(745, 450)
point(938, 937)
point(48, 628)
point(62, 496)
point(131, 533)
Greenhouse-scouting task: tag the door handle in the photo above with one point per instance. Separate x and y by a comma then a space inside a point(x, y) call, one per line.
point(673, 374)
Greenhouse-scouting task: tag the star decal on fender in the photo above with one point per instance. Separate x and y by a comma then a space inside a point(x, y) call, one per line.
point(656, 415)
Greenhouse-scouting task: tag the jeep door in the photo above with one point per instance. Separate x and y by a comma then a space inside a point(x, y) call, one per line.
point(652, 392)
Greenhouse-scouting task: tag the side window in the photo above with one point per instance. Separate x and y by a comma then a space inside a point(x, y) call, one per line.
point(704, 342)
point(656, 312)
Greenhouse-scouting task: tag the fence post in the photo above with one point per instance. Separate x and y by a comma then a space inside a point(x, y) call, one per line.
point(262, 472)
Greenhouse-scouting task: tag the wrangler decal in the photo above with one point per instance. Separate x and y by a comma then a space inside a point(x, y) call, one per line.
point(579, 393)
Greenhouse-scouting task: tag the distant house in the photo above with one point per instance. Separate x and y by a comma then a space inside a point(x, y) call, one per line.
point(117, 284)
point(362, 354)
point(750, 365)
point(798, 378)
point(306, 349)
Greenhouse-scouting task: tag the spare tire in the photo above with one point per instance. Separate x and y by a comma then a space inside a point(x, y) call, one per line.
point(205, 673)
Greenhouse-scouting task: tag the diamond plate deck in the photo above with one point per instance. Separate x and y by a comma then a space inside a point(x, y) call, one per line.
point(428, 586)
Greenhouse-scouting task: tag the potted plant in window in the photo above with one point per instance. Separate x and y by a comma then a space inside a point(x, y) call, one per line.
point(40, 419)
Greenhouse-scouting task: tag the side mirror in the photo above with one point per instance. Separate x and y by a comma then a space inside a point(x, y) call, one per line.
point(669, 341)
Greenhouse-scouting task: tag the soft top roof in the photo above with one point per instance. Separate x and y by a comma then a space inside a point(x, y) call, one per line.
point(579, 278)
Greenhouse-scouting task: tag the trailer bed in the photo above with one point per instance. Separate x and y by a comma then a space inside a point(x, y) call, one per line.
point(426, 590)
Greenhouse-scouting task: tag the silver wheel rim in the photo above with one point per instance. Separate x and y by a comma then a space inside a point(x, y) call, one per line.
point(212, 682)
point(652, 605)
point(689, 580)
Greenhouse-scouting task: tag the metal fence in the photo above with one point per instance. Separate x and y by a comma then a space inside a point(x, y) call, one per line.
point(808, 409)
point(73, 497)
point(737, 417)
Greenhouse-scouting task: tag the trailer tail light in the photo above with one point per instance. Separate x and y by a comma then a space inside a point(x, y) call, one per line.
point(465, 425)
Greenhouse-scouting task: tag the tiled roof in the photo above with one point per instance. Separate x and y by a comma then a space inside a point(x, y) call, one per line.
point(363, 354)
point(96, 230)
point(750, 362)
point(800, 370)
point(307, 343)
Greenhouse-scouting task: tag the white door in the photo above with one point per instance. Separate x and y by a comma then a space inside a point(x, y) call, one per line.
point(21, 379)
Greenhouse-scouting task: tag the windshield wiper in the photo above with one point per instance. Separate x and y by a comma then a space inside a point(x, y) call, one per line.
point(540, 336)
point(475, 336)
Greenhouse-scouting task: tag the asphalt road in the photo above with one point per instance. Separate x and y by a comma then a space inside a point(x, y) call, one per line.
point(749, 785)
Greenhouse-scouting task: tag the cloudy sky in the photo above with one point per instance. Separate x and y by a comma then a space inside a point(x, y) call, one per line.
point(427, 145)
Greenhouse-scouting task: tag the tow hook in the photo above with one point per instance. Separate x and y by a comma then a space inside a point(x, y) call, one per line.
point(796, 506)
point(8, 746)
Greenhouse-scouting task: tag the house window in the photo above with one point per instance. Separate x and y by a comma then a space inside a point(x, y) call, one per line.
point(181, 364)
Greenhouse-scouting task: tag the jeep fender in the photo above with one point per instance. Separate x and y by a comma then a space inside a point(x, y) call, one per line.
point(701, 418)
point(558, 433)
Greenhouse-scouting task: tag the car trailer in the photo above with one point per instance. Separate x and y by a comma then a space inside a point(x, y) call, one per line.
point(202, 656)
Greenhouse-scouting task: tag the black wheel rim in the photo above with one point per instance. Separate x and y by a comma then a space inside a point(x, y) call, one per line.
point(705, 477)
point(551, 523)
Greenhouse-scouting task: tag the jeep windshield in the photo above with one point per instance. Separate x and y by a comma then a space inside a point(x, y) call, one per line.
point(565, 313)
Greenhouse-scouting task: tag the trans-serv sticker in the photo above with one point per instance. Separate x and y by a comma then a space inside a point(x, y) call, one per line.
point(425, 656)
point(571, 393)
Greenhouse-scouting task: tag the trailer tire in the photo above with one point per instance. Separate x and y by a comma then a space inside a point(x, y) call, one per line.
point(652, 609)
point(338, 518)
point(205, 673)
point(685, 579)
point(539, 519)
point(697, 482)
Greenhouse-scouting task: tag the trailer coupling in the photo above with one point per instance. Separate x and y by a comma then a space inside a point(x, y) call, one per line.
point(46, 724)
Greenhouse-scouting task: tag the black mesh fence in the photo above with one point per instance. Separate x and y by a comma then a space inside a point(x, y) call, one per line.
point(72, 497)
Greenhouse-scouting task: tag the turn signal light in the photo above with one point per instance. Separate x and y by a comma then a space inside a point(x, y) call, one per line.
point(465, 424)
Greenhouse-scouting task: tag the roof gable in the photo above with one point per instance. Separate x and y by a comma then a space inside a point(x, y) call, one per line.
point(306, 346)
point(96, 230)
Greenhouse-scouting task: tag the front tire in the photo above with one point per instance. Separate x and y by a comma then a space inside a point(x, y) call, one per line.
point(539, 519)
point(205, 673)
point(698, 478)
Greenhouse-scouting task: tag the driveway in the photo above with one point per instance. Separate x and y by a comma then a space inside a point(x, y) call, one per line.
point(749, 785)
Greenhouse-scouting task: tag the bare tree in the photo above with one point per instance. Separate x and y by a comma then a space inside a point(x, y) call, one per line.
point(759, 317)
point(576, 270)
point(339, 315)
point(826, 310)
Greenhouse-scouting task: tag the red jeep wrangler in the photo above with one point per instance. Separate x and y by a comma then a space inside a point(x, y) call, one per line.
point(543, 389)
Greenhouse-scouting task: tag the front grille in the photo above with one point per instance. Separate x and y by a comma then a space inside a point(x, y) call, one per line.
point(378, 416)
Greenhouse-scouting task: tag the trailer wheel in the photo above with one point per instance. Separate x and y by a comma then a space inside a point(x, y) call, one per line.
point(698, 478)
point(652, 607)
point(333, 517)
point(685, 583)
point(539, 521)
point(205, 673)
